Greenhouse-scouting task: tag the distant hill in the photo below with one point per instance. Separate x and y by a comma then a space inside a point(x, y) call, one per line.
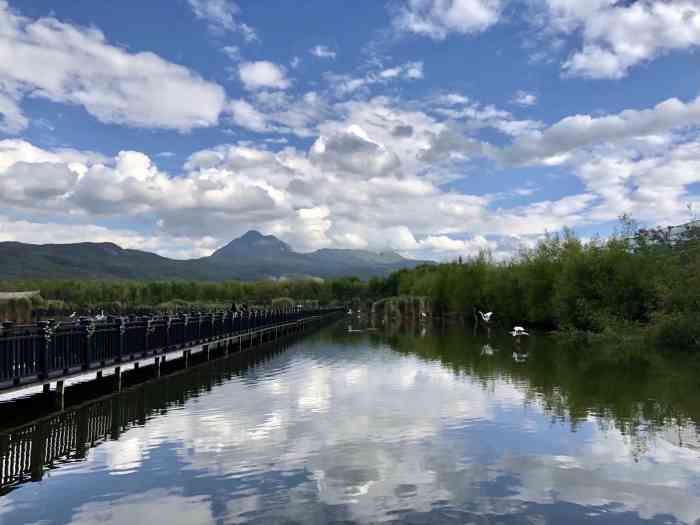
point(250, 257)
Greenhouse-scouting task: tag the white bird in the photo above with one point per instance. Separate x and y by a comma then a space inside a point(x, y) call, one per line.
point(518, 331)
point(486, 316)
point(423, 314)
point(101, 316)
point(73, 315)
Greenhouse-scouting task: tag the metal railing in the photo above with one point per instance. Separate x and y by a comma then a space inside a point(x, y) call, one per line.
point(28, 450)
point(49, 349)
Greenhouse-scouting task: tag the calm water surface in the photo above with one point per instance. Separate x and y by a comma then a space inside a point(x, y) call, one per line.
point(408, 427)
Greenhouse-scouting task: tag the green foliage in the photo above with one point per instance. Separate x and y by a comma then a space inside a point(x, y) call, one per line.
point(122, 295)
point(629, 283)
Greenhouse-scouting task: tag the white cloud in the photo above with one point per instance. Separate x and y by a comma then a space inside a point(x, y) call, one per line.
point(263, 74)
point(12, 120)
point(322, 52)
point(61, 62)
point(580, 131)
point(373, 178)
point(221, 15)
point(476, 116)
point(246, 116)
point(38, 232)
point(652, 188)
point(523, 98)
point(280, 112)
point(444, 247)
point(232, 52)
point(218, 13)
point(352, 151)
point(438, 18)
point(618, 36)
point(344, 85)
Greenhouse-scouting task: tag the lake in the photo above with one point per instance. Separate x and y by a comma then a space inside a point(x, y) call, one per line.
point(415, 424)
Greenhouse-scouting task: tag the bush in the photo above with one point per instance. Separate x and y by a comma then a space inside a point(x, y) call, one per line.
point(677, 331)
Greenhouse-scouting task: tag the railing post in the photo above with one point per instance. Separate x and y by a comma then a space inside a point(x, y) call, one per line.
point(38, 451)
point(60, 395)
point(81, 434)
point(45, 333)
point(121, 334)
point(4, 444)
point(118, 379)
point(116, 418)
point(168, 336)
point(146, 346)
point(89, 331)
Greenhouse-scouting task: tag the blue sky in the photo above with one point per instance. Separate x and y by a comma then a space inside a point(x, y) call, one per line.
point(436, 128)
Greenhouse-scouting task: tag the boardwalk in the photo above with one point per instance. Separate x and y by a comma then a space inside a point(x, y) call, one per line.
point(52, 352)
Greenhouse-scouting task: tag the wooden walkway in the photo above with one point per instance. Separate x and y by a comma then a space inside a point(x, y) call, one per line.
point(48, 352)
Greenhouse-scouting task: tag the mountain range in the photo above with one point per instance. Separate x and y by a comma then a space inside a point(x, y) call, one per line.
point(250, 257)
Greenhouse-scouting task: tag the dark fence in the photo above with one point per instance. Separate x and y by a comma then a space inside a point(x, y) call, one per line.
point(50, 349)
point(47, 442)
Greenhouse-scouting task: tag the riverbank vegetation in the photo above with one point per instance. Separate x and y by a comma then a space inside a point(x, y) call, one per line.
point(116, 296)
point(637, 284)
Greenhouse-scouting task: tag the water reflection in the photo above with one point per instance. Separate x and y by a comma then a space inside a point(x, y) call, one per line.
point(408, 425)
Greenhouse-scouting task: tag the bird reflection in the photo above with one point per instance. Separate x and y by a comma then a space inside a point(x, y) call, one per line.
point(487, 349)
point(519, 357)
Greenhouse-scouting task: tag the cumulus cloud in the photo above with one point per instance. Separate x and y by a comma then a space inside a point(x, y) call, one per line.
point(12, 120)
point(449, 144)
point(246, 116)
point(580, 131)
point(438, 18)
point(353, 151)
point(65, 63)
point(203, 201)
point(653, 188)
point(375, 177)
point(263, 74)
point(620, 35)
point(322, 52)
